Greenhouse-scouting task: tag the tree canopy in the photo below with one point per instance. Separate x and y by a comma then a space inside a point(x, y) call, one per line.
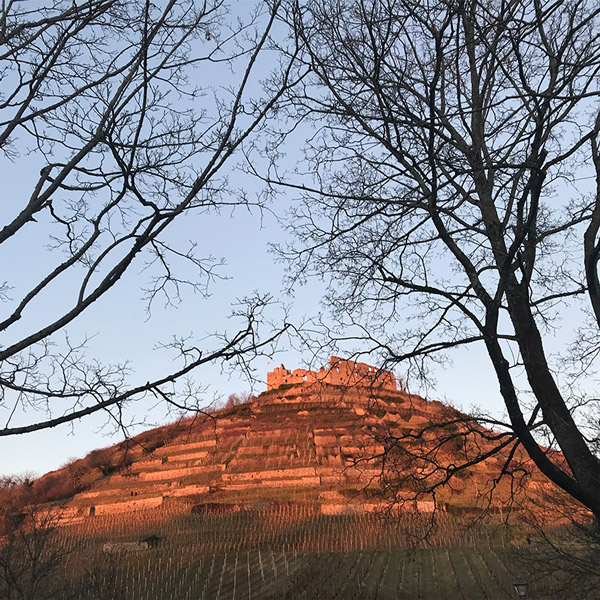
point(128, 112)
point(451, 191)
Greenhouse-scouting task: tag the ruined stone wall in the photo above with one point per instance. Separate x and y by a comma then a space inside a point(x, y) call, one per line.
point(282, 376)
point(340, 372)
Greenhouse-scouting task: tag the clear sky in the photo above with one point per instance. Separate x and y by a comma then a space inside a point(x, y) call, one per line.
point(119, 329)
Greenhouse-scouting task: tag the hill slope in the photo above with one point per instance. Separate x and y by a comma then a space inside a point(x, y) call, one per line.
point(275, 498)
point(321, 438)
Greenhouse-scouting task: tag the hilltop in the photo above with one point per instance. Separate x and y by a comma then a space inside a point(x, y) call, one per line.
point(321, 438)
point(282, 496)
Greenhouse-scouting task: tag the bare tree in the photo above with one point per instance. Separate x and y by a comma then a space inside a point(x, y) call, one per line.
point(130, 112)
point(32, 557)
point(452, 195)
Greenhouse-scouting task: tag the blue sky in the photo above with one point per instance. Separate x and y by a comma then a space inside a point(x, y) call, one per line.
point(119, 329)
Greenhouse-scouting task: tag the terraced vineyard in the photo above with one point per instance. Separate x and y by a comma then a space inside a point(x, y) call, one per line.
point(281, 498)
point(292, 554)
point(455, 573)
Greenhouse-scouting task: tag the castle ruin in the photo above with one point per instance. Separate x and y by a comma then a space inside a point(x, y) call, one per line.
point(341, 372)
